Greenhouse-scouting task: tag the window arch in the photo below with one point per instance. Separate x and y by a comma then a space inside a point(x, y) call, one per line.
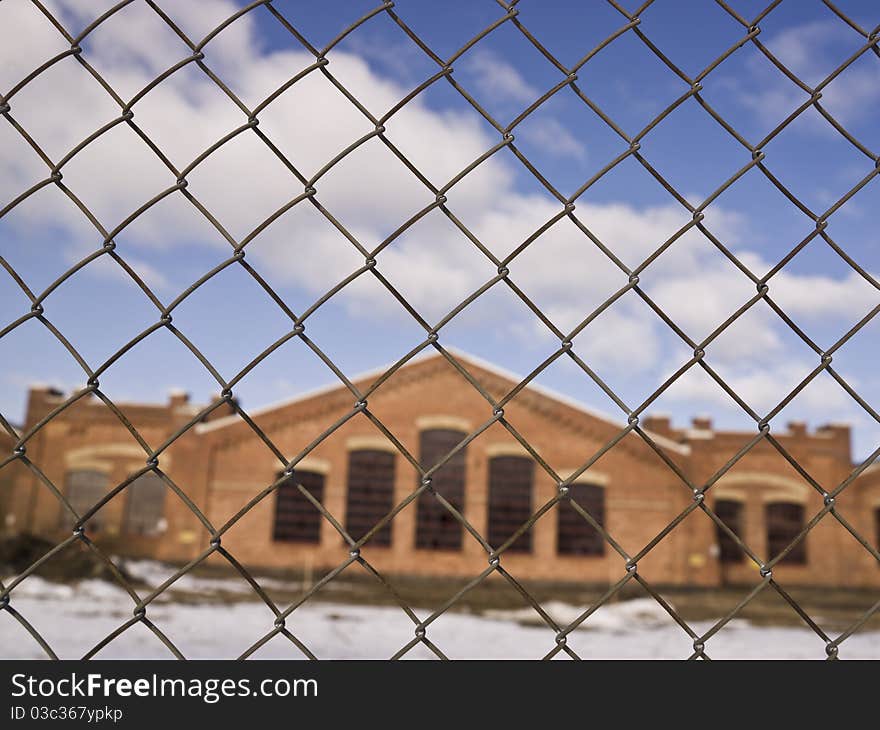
point(296, 518)
point(370, 493)
point(574, 535)
point(785, 521)
point(145, 507)
point(511, 479)
point(731, 512)
point(84, 488)
point(436, 527)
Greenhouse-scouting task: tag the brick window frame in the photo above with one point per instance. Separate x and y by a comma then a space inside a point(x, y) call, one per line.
point(369, 493)
point(295, 519)
point(145, 505)
point(83, 489)
point(732, 512)
point(511, 482)
point(876, 513)
point(783, 522)
point(574, 535)
point(436, 527)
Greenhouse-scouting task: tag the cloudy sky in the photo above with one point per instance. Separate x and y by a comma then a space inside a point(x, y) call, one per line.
point(370, 193)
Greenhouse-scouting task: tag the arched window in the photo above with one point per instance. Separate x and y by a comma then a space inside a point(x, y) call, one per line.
point(436, 527)
point(84, 488)
point(296, 518)
point(145, 508)
point(370, 494)
point(574, 535)
point(785, 520)
point(730, 512)
point(510, 500)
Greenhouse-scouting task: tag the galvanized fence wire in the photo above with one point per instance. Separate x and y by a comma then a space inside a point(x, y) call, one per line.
point(444, 201)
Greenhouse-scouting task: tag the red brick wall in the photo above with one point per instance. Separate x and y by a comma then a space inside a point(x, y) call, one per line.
point(642, 494)
point(223, 466)
point(87, 434)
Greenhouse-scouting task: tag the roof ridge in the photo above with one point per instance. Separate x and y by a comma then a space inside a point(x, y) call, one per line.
point(458, 354)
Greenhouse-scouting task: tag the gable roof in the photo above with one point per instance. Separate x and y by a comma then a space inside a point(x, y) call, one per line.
point(466, 360)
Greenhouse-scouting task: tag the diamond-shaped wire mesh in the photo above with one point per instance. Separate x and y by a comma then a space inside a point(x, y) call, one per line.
point(511, 17)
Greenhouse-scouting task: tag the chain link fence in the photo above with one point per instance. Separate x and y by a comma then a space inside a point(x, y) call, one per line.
point(516, 15)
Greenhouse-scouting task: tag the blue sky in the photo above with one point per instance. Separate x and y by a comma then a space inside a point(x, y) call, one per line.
point(301, 255)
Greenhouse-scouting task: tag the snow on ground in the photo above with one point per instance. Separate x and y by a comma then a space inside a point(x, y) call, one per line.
point(73, 618)
point(153, 573)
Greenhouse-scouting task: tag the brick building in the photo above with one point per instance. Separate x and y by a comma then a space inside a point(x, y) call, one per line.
point(359, 475)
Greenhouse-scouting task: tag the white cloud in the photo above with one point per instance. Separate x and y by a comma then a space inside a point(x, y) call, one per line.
point(496, 79)
point(812, 51)
point(763, 388)
point(549, 134)
point(815, 296)
point(800, 47)
point(371, 193)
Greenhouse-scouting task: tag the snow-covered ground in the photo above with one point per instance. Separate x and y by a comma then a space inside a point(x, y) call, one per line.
point(73, 618)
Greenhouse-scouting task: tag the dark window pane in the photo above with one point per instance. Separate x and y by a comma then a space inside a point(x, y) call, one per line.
point(145, 507)
point(510, 500)
point(370, 494)
point(784, 523)
point(877, 527)
point(574, 535)
point(296, 518)
point(84, 489)
point(436, 527)
point(730, 512)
